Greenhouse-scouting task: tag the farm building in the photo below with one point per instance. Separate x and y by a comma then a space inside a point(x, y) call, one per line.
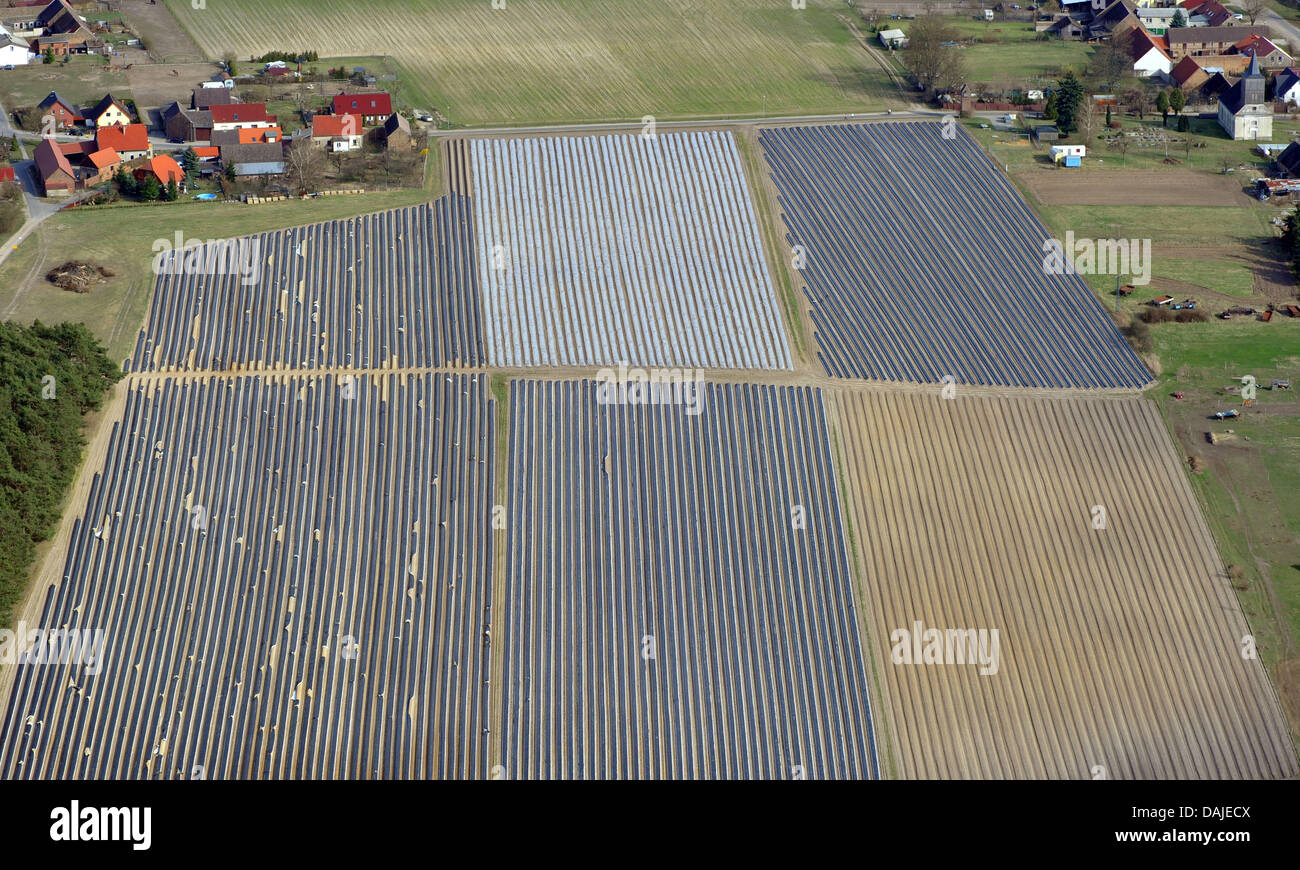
point(396, 132)
point(1199, 41)
point(893, 38)
point(1288, 162)
point(1244, 112)
point(1263, 50)
point(55, 172)
point(1286, 86)
point(374, 108)
point(192, 125)
point(100, 166)
point(1188, 75)
point(206, 98)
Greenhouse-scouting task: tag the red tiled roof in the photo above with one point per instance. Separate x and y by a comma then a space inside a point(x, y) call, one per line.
point(363, 104)
point(163, 168)
point(253, 135)
point(207, 151)
point(333, 125)
point(104, 157)
point(1260, 45)
point(240, 113)
point(50, 159)
point(132, 137)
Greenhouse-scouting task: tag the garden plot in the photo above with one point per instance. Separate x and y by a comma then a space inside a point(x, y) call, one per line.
point(391, 289)
point(678, 594)
point(923, 263)
point(596, 250)
point(292, 576)
point(1120, 645)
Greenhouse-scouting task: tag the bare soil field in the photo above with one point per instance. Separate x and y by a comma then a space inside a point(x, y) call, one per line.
point(1120, 646)
point(163, 36)
point(1134, 187)
point(155, 85)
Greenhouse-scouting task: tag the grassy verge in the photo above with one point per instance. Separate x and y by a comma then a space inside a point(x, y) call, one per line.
point(124, 241)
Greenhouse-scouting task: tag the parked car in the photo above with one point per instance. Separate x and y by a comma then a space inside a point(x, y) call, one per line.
point(177, 140)
point(9, 66)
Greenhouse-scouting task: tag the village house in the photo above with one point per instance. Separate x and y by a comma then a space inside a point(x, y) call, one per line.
point(237, 115)
point(1244, 112)
point(65, 113)
point(1188, 75)
point(1206, 13)
point(109, 112)
point(337, 133)
point(1262, 48)
point(99, 166)
point(374, 109)
point(1286, 87)
point(14, 50)
point(131, 142)
point(1150, 54)
point(160, 167)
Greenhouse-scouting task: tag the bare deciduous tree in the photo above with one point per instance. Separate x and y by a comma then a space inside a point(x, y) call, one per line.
point(305, 165)
point(935, 66)
point(1252, 9)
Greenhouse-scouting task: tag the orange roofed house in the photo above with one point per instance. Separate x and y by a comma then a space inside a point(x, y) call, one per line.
point(130, 142)
point(161, 167)
point(336, 133)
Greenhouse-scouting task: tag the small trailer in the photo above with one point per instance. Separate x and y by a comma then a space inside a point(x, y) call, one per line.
point(1225, 415)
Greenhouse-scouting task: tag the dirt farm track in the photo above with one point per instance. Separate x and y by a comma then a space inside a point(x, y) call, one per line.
point(1132, 187)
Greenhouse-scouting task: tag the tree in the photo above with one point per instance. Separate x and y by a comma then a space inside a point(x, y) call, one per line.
point(1162, 106)
point(229, 60)
point(1049, 107)
point(1069, 95)
point(1183, 126)
point(1120, 143)
point(1177, 101)
point(1108, 122)
point(173, 192)
point(1179, 20)
point(1135, 101)
point(126, 182)
point(305, 165)
point(1291, 239)
point(49, 56)
point(189, 160)
point(936, 67)
point(150, 189)
point(1252, 9)
point(1111, 61)
point(230, 172)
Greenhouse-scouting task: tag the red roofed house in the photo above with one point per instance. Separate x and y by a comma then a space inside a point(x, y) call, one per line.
point(337, 133)
point(161, 167)
point(374, 109)
point(238, 116)
point(1268, 54)
point(130, 142)
point(1150, 54)
point(1213, 11)
point(257, 135)
point(56, 174)
point(65, 114)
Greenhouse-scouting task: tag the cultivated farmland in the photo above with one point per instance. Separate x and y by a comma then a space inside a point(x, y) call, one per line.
point(534, 61)
point(923, 262)
point(596, 250)
point(292, 574)
point(667, 613)
point(391, 289)
point(1121, 646)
